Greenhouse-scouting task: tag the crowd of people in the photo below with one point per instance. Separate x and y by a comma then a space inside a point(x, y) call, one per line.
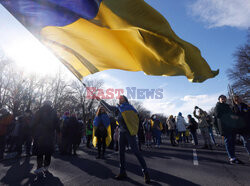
point(43, 132)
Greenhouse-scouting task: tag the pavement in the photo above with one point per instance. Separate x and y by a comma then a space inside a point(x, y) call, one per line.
point(182, 165)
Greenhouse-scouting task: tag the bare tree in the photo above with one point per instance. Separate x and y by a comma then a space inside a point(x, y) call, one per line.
point(239, 74)
point(142, 111)
point(4, 79)
point(85, 102)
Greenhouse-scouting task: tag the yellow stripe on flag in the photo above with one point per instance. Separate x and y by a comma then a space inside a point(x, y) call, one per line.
point(128, 35)
point(132, 121)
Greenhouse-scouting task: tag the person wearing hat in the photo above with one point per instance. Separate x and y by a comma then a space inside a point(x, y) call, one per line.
point(227, 122)
point(128, 120)
point(45, 124)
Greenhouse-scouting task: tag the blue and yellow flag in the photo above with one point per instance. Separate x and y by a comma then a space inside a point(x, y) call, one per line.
point(94, 35)
point(103, 118)
point(130, 117)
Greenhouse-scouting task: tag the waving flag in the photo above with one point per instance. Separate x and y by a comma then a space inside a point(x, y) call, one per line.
point(94, 35)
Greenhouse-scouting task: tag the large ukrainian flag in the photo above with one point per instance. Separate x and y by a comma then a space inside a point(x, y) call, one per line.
point(94, 35)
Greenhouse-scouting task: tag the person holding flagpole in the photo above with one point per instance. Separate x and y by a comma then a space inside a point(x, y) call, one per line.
point(128, 120)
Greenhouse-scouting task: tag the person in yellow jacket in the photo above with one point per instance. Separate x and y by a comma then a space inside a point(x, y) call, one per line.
point(101, 131)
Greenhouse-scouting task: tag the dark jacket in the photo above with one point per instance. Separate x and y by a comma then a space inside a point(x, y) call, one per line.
point(74, 130)
point(65, 124)
point(228, 122)
point(140, 135)
point(243, 111)
point(193, 125)
point(45, 124)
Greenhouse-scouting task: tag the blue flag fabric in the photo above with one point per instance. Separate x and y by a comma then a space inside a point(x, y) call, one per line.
point(103, 118)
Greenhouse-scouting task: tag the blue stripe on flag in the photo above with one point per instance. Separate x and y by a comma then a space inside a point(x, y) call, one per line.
point(41, 13)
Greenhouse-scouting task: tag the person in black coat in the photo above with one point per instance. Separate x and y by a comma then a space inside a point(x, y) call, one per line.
point(193, 126)
point(227, 125)
point(242, 110)
point(74, 134)
point(45, 124)
point(140, 134)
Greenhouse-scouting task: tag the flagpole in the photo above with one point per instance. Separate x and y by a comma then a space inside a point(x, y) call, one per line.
point(94, 96)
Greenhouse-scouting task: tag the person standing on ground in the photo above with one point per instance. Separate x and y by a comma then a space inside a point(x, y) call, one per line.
point(242, 110)
point(74, 133)
point(203, 126)
point(101, 131)
point(44, 126)
point(227, 122)
point(193, 126)
point(140, 134)
point(128, 120)
point(181, 127)
point(65, 134)
point(148, 131)
point(171, 128)
point(156, 129)
point(26, 131)
point(210, 129)
point(16, 135)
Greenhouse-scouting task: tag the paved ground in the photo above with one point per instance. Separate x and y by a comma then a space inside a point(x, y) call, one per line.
point(167, 165)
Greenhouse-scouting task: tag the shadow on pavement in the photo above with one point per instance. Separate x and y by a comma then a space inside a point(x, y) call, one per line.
point(20, 174)
point(92, 168)
point(156, 176)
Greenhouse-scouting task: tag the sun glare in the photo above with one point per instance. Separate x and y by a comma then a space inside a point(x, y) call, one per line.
point(18, 44)
point(32, 56)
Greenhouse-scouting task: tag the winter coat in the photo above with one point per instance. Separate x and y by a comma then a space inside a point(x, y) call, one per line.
point(140, 134)
point(26, 125)
point(171, 124)
point(65, 125)
point(181, 124)
point(44, 125)
point(147, 126)
point(17, 129)
point(74, 130)
point(202, 120)
point(243, 111)
point(228, 122)
point(193, 125)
